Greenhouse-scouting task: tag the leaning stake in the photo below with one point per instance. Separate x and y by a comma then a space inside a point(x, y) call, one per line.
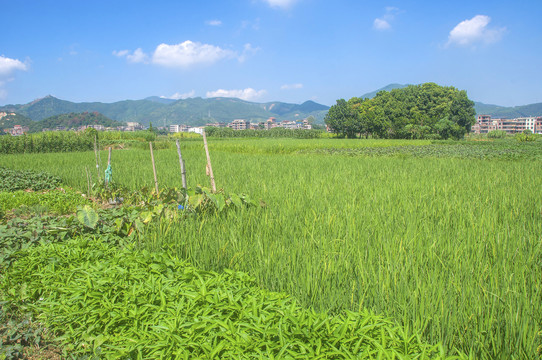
point(154, 170)
point(213, 186)
point(181, 162)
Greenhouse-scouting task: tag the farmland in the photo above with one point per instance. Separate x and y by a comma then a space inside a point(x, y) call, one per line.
point(444, 238)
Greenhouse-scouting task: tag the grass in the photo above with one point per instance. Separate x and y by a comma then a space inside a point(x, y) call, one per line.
point(449, 246)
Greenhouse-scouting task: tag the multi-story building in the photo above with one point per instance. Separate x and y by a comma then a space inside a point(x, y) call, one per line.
point(239, 124)
point(179, 128)
point(485, 124)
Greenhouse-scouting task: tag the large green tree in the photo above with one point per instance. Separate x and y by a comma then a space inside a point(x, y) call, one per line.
point(343, 120)
point(417, 112)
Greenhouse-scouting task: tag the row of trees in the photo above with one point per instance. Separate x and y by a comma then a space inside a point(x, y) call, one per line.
point(426, 111)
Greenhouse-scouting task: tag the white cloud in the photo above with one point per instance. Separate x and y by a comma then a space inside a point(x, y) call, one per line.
point(138, 56)
point(284, 4)
point(244, 94)
point(185, 54)
point(384, 22)
point(9, 66)
point(248, 50)
point(291, 86)
point(213, 22)
point(121, 53)
point(178, 96)
point(475, 30)
point(189, 53)
point(380, 24)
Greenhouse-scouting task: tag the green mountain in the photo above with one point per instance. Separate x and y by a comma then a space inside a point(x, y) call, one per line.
point(163, 112)
point(389, 87)
point(73, 121)
point(497, 111)
point(10, 120)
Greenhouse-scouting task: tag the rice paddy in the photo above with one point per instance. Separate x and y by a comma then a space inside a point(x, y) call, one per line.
point(448, 246)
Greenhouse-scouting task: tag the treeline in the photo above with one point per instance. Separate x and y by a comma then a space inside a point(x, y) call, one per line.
point(426, 111)
point(68, 141)
point(260, 133)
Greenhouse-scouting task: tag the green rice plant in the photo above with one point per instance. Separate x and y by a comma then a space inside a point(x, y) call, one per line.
point(445, 240)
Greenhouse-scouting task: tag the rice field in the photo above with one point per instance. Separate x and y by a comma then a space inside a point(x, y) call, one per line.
point(448, 246)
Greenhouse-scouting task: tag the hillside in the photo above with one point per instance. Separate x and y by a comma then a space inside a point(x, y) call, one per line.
point(389, 87)
point(508, 112)
point(73, 120)
point(163, 112)
point(8, 121)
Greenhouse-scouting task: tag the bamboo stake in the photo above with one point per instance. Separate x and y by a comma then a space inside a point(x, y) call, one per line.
point(154, 170)
point(181, 162)
point(89, 179)
point(109, 157)
point(96, 156)
point(213, 186)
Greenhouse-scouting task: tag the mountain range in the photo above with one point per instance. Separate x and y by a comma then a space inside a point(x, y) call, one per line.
point(163, 112)
point(198, 111)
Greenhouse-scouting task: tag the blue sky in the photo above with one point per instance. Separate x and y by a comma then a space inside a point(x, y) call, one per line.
point(267, 50)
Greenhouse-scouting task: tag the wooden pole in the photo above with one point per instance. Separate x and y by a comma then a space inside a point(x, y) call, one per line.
point(181, 162)
point(213, 186)
point(154, 170)
point(109, 157)
point(96, 156)
point(88, 182)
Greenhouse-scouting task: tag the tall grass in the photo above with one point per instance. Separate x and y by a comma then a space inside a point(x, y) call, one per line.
point(449, 247)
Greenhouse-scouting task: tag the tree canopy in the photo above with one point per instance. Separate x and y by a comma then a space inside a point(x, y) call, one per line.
point(414, 112)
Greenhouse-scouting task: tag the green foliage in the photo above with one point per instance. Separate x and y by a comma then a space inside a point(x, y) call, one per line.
point(73, 121)
point(87, 216)
point(496, 134)
point(12, 180)
point(162, 112)
point(10, 121)
point(343, 120)
point(526, 135)
point(125, 303)
point(442, 236)
point(59, 201)
point(22, 337)
point(271, 133)
point(416, 112)
point(57, 141)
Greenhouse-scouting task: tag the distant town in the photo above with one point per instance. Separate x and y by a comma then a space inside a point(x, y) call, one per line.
point(485, 124)
point(238, 124)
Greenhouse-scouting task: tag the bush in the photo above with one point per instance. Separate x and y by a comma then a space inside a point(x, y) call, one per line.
point(496, 134)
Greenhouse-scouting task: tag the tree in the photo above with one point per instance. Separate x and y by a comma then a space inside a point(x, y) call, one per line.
point(415, 112)
point(343, 120)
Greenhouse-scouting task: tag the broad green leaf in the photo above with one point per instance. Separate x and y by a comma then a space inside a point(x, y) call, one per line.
point(87, 216)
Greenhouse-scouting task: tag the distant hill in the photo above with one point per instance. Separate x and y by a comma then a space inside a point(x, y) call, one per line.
point(73, 121)
point(8, 121)
point(497, 111)
point(163, 112)
point(389, 87)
